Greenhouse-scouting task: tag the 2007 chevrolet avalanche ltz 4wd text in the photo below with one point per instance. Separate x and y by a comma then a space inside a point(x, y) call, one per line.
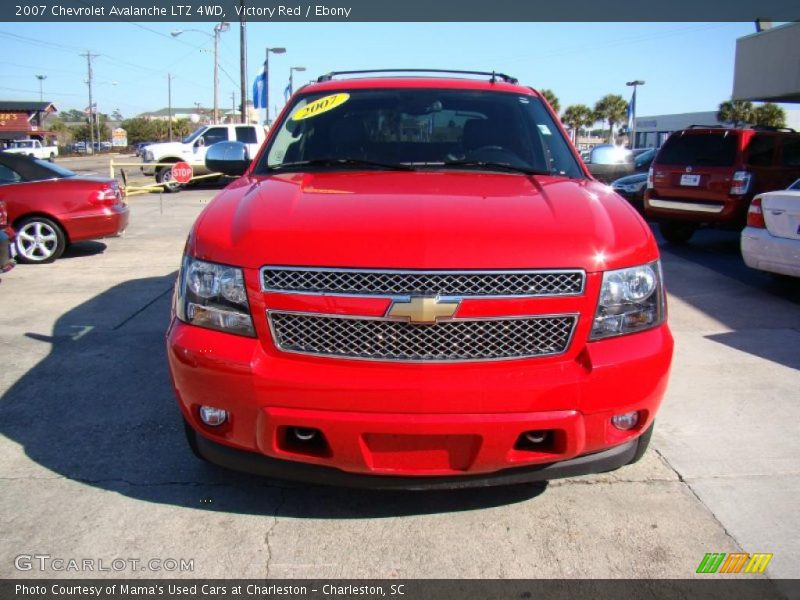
point(417, 283)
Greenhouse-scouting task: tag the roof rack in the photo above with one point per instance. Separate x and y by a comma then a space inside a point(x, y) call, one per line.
point(493, 76)
point(771, 128)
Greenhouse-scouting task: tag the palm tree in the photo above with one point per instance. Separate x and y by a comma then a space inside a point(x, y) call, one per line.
point(770, 115)
point(576, 116)
point(552, 99)
point(737, 112)
point(612, 108)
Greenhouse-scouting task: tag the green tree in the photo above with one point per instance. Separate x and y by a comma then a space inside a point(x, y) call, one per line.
point(101, 133)
point(73, 116)
point(769, 115)
point(577, 116)
point(139, 129)
point(736, 112)
point(552, 99)
point(612, 108)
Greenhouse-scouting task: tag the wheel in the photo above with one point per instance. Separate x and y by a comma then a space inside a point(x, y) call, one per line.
point(643, 443)
point(52, 157)
point(164, 175)
point(39, 240)
point(676, 232)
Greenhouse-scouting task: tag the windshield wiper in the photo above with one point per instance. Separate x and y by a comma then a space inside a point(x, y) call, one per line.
point(486, 164)
point(333, 162)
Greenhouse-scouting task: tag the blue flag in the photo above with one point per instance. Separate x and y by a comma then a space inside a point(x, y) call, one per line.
point(632, 110)
point(260, 90)
point(287, 93)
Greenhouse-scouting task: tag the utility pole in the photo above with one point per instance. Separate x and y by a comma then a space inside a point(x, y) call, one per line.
point(89, 56)
point(233, 106)
point(243, 62)
point(170, 77)
point(41, 79)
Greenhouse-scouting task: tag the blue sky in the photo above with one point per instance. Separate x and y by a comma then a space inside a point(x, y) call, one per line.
point(687, 66)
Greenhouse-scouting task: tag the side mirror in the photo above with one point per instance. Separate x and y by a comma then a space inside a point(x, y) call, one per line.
point(229, 158)
point(608, 162)
point(200, 142)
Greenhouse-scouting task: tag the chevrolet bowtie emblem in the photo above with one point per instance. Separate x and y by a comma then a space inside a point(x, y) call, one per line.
point(423, 309)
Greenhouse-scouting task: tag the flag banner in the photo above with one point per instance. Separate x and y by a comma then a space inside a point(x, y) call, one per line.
point(632, 109)
point(287, 93)
point(260, 90)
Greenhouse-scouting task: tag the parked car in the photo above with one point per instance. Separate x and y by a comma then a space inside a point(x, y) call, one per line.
point(139, 148)
point(771, 240)
point(632, 189)
point(33, 148)
point(709, 175)
point(193, 150)
point(51, 207)
point(642, 160)
point(7, 250)
point(416, 282)
point(608, 162)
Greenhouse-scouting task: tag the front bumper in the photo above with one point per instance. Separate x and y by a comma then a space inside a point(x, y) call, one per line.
point(258, 464)
point(424, 421)
point(765, 252)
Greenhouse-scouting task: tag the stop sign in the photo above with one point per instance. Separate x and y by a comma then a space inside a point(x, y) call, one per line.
point(182, 172)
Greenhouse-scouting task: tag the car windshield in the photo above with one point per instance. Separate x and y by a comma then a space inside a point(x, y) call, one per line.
point(194, 135)
point(716, 149)
point(419, 129)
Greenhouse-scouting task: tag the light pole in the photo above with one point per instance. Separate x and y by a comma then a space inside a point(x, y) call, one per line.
point(41, 79)
point(219, 28)
point(266, 79)
point(291, 80)
point(634, 84)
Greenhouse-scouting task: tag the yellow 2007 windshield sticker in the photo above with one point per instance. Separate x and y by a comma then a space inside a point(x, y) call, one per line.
point(317, 107)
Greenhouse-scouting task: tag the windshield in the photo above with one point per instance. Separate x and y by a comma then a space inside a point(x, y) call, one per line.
point(716, 149)
point(420, 128)
point(194, 135)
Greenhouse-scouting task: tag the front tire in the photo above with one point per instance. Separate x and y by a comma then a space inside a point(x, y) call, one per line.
point(39, 240)
point(52, 157)
point(164, 176)
point(676, 232)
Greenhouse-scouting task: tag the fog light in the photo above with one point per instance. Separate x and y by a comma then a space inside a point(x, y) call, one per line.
point(625, 421)
point(213, 416)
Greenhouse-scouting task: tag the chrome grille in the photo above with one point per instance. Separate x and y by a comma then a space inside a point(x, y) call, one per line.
point(398, 340)
point(364, 282)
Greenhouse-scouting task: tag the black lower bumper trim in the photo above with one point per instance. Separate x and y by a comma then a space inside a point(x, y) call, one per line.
point(259, 464)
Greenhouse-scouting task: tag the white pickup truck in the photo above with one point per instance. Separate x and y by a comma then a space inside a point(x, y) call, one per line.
point(193, 150)
point(33, 148)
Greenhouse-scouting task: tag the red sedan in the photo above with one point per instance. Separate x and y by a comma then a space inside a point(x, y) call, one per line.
point(51, 207)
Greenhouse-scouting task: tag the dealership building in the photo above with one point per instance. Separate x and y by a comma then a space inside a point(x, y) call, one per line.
point(778, 47)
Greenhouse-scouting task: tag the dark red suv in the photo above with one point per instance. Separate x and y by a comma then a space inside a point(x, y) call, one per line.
point(708, 175)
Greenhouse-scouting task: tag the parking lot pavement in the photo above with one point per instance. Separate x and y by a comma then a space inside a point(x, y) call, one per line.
point(94, 464)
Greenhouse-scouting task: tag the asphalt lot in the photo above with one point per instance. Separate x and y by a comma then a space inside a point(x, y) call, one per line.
point(93, 461)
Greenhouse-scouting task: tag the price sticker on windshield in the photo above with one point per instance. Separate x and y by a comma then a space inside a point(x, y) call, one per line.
point(320, 106)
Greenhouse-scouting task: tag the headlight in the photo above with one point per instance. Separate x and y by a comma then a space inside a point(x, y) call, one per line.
point(213, 296)
point(631, 300)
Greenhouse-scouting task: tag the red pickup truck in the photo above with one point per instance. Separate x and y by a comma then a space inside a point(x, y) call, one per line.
point(417, 283)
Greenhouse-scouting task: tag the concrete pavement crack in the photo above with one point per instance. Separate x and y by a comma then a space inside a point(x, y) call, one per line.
point(682, 480)
point(142, 309)
point(278, 505)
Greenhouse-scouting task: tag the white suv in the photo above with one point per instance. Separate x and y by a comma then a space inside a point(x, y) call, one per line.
point(193, 150)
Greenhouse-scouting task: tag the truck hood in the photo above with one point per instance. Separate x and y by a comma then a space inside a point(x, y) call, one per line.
point(166, 148)
point(421, 220)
